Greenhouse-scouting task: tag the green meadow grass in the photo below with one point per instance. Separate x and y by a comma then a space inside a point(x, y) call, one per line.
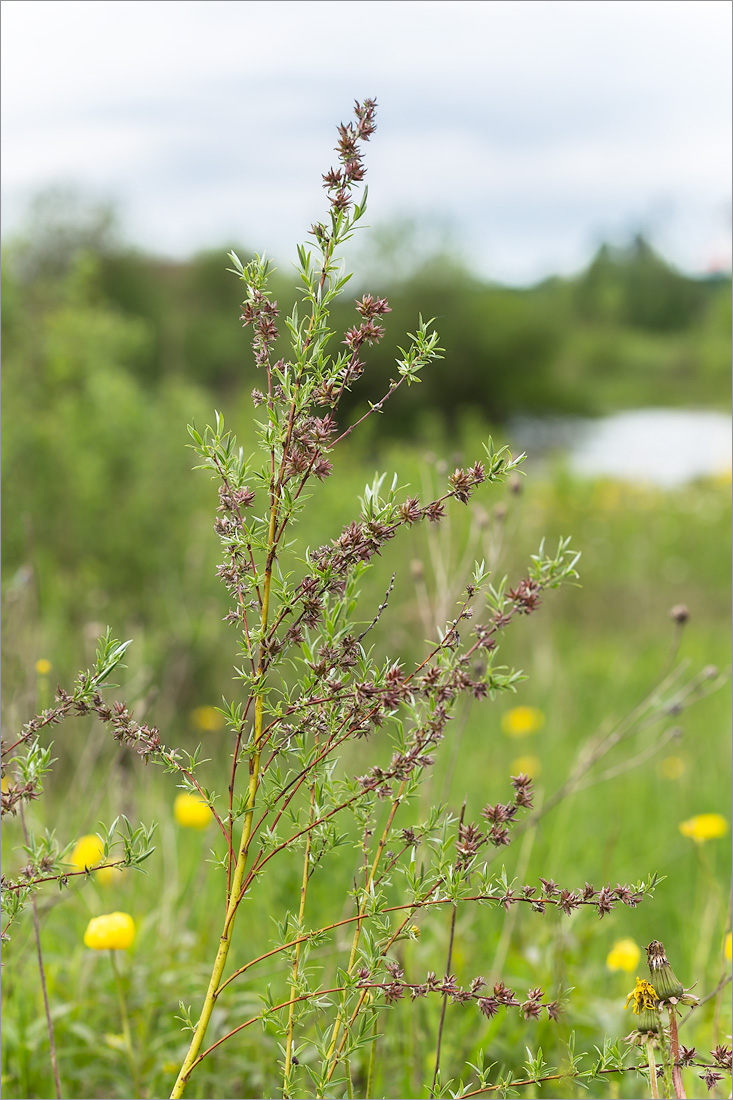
point(590, 653)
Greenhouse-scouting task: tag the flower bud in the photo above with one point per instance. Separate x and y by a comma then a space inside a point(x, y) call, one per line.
point(664, 980)
point(648, 1020)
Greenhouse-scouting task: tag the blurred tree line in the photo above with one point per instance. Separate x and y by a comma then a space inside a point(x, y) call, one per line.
point(628, 331)
point(109, 352)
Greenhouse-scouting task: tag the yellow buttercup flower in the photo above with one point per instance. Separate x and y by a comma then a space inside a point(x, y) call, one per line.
point(520, 721)
point(43, 667)
point(113, 931)
point(624, 955)
point(88, 851)
point(530, 765)
point(207, 718)
point(704, 827)
point(191, 811)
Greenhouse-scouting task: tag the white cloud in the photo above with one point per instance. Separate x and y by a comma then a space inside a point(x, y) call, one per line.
point(217, 117)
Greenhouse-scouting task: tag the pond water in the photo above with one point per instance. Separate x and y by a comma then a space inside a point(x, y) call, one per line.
point(665, 447)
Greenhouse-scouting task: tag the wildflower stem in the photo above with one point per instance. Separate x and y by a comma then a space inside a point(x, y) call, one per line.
point(125, 1026)
point(674, 1050)
point(224, 943)
point(439, 1039)
point(334, 1051)
point(238, 876)
point(510, 919)
point(41, 971)
point(372, 1059)
point(298, 949)
point(365, 991)
point(653, 1083)
point(422, 903)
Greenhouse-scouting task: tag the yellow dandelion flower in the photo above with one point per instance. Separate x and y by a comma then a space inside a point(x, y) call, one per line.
point(88, 851)
point(672, 767)
point(521, 721)
point(113, 931)
point(530, 765)
point(207, 719)
point(704, 827)
point(728, 947)
point(643, 995)
point(43, 667)
point(624, 955)
point(191, 811)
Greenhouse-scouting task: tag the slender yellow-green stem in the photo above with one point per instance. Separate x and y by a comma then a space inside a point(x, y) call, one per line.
point(332, 1050)
point(236, 885)
point(224, 942)
point(298, 949)
point(372, 1059)
point(510, 918)
point(444, 1006)
point(366, 992)
point(126, 1026)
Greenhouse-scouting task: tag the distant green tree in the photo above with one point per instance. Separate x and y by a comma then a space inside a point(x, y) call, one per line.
point(634, 285)
point(501, 344)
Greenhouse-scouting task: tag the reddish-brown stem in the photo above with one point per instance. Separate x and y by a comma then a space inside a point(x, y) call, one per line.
point(61, 875)
point(421, 903)
point(364, 986)
point(50, 718)
point(235, 762)
point(225, 481)
point(377, 406)
point(674, 1053)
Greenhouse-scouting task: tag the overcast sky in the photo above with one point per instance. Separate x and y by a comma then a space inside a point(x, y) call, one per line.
point(533, 129)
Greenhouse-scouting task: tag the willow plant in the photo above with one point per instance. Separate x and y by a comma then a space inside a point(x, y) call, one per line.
point(309, 682)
